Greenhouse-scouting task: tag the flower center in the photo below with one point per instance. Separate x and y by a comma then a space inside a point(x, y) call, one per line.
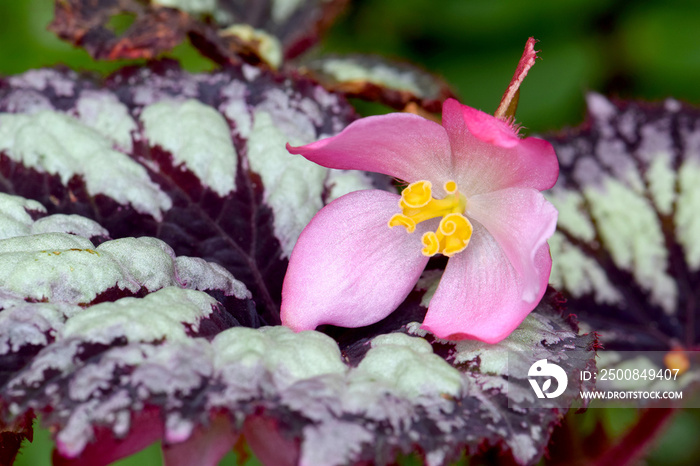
point(418, 205)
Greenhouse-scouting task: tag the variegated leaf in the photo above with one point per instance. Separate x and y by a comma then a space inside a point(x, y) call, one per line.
point(626, 252)
point(145, 223)
point(398, 85)
point(195, 160)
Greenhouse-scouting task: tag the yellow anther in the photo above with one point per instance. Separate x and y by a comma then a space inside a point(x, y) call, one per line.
point(417, 195)
point(431, 243)
point(457, 230)
point(451, 237)
point(417, 205)
point(402, 220)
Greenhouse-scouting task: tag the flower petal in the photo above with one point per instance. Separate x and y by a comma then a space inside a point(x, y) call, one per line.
point(520, 220)
point(488, 155)
point(402, 145)
point(480, 294)
point(348, 267)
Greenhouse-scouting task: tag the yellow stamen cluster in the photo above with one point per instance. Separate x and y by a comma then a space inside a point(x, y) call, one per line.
point(417, 205)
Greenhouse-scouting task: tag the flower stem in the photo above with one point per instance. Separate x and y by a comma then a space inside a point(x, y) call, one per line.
point(638, 439)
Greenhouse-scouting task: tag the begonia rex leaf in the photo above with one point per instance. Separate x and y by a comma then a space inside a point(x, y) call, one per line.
point(145, 224)
point(157, 152)
point(626, 252)
point(398, 85)
point(257, 32)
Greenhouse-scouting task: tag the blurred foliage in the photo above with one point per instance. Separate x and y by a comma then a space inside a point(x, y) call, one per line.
point(641, 49)
point(25, 43)
point(631, 49)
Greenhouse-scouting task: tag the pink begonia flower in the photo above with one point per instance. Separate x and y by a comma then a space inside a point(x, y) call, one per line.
point(473, 195)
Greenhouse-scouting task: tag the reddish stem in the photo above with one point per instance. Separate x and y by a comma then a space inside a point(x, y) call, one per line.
point(635, 442)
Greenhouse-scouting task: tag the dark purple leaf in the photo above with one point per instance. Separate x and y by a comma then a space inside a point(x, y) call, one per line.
point(398, 85)
point(400, 396)
point(296, 25)
point(145, 224)
point(87, 24)
point(202, 156)
point(626, 253)
point(228, 31)
point(12, 434)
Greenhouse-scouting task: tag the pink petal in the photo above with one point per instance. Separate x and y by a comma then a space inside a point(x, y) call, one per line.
point(520, 220)
point(402, 145)
point(489, 129)
point(348, 267)
point(480, 294)
point(488, 155)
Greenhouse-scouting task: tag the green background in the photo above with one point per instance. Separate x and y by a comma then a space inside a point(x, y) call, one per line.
point(640, 49)
point(629, 49)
